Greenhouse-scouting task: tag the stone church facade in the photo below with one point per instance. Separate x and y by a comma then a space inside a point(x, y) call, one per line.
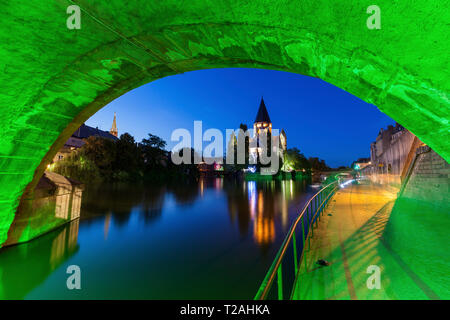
point(262, 127)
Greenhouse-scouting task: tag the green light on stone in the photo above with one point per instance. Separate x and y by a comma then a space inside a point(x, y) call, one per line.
point(53, 78)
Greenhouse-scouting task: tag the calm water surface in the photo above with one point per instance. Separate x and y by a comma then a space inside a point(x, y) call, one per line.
point(210, 239)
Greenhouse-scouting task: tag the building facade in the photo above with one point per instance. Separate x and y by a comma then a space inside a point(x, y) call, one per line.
point(389, 151)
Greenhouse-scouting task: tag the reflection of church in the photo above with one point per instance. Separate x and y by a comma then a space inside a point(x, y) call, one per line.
point(262, 127)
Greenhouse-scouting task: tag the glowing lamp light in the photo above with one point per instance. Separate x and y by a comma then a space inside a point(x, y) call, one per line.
point(342, 185)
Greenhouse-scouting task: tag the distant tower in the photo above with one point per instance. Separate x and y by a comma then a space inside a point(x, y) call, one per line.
point(262, 121)
point(262, 124)
point(114, 130)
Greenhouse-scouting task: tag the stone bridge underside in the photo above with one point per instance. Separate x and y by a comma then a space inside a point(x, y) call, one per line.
point(53, 78)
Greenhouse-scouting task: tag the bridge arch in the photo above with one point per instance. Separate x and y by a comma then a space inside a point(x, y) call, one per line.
point(55, 78)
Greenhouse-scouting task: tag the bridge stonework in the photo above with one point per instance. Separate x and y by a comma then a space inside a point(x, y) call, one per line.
point(54, 78)
point(430, 179)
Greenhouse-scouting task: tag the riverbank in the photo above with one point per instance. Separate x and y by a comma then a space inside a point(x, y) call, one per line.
point(248, 176)
point(363, 231)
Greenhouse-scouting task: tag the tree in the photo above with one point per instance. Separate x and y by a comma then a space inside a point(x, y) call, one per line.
point(318, 164)
point(190, 169)
point(232, 150)
point(102, 152)
point(154, 142)
point(128, 156)
point(245, 138)
point(295, 160)
point(122, 159)
point(153, 153)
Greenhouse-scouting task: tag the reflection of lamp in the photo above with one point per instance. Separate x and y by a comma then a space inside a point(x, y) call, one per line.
point(201, 187)
point(284, 212)
point(263, 227)
point(264, 230)
point(252, 197)
point(218, 184)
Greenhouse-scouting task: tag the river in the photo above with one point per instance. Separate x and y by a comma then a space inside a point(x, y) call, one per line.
point(210, 239)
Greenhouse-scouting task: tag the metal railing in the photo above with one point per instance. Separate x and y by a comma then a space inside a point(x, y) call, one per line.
point(306, 220)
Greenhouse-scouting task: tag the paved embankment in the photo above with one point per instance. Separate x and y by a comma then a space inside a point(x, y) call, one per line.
point(351, 237)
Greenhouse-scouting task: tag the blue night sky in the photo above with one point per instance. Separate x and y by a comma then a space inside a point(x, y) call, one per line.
point(319, 119)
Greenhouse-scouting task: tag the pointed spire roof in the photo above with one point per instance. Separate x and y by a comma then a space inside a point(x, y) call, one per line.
point(114, 130)
point(262, 115)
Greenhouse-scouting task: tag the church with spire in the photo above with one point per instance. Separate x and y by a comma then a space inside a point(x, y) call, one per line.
point(77, 140)
point(114, 130)
point(263, 127)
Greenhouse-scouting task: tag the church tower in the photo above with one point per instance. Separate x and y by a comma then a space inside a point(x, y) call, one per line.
point(114, 130)
point(262, 121)
point(262, 129)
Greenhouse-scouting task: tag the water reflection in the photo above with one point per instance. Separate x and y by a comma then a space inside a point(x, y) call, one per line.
point(263, 225)
point(26, 266)
point(258, 203)
point(65, 242)
point(224, 232)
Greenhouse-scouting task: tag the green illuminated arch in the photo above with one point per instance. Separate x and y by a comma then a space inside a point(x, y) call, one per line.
point(53, 78)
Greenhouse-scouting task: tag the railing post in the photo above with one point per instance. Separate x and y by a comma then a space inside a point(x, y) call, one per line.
point(313, 209)
point(303, 235)
point(311, 206)
point(320, 209)
point(324, 201)
point(280, 283)
point(315, 212)
point(294, 243)
point(311, 222)
point(318, 203)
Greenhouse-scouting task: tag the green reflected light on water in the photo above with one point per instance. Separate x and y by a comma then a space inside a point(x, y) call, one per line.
point(210, 239)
